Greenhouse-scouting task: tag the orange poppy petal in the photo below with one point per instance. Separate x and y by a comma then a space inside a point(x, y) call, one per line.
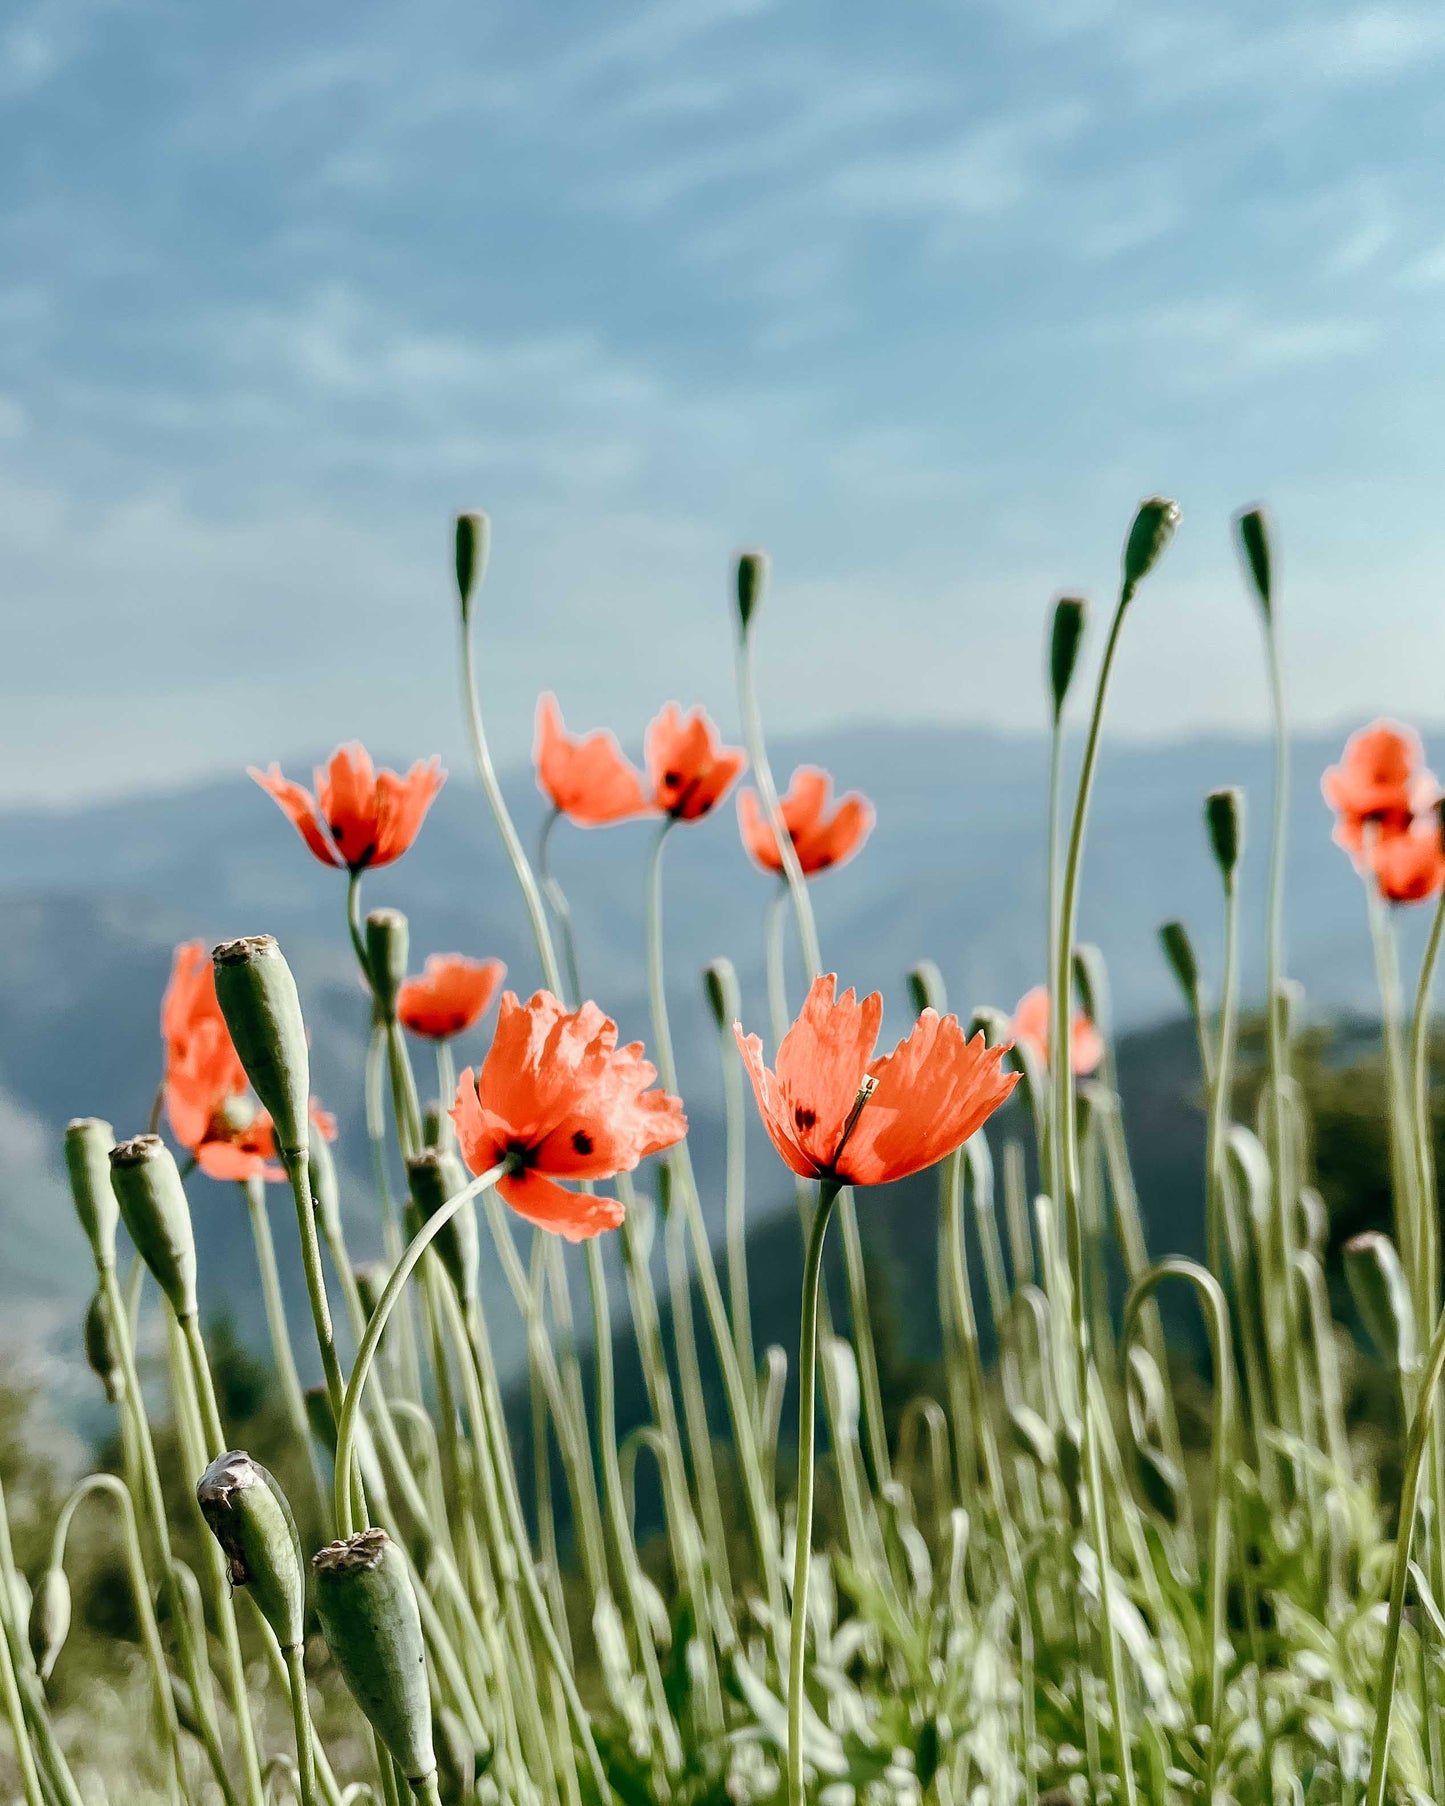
point(575, 1215)
point(822, 1063)
point(934, 1090)
point(300, 808)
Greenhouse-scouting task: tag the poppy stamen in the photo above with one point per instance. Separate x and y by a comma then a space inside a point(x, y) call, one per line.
point(865, 1091)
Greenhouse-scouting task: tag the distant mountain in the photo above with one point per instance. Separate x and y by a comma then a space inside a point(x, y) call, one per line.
point(94, 898)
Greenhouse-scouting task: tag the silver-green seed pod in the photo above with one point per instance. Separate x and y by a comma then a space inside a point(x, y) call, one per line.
point(1179, 951)
point(372, 1627)
point(388, 943)
point(100, 1349)
point(753, 568)
point(724, 996)
point(473, 548)
point(88, 1142)
point(456, 1760)
point(1066, 636)
point(1251, 528)
point(433, 1177)
point(49, 1619)
point(1224, 817)
point(1153, 528)
point(156, 1214)
point(263, 1012)
point(250, 1518)
point(1382, 1297)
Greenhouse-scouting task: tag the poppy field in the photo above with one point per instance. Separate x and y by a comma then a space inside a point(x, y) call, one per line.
point(1075, 1570)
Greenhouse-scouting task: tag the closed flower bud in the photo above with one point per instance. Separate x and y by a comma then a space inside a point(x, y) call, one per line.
point(49, 1619)
point(187, 1716)
point(433, 1125)
point(1065, 639)
point(1161, 1482)
point(1224, 817)
point(1382, 1297)
point(1179, 951)
point(250, 1518)
point(1032, 1436)
point(88, 1142)
point(1251, 526)
point(372, 1627)
point(473, 547)
point(155, 1211)
point(926, 989)
point(1153, 528)
point(371, 1277)
point(753, 570)
point(720, 981)
point(263, 1013)
point(388, 941)
point(994, 1025)
point(433, 1177)
point(100, 1349)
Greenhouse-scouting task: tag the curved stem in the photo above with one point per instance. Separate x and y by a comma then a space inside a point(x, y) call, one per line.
point(560, 907)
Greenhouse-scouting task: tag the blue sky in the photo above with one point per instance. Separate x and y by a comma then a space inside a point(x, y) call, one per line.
point(922, 298)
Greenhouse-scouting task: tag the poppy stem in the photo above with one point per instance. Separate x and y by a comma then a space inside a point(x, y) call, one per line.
point(1221, 1081)
point(560, 907)
point(828, 1190)
point(1420, 1105)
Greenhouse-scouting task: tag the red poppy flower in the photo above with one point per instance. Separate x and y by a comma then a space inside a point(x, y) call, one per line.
point(558, 1098)
point(451, 994)
point(585, 776)
point(211, 1112)
point(690, 768)
point(359, 817)
point(819, 839)
point(1031, 1024)
point(1380, 782)
point(1409, 867)
point(835, 1113)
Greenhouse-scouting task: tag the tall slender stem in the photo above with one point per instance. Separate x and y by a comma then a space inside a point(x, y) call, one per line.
point(561, 909)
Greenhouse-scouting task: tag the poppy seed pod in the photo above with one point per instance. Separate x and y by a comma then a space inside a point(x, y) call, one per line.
point(100, 1349)
point(473, 548)
point(258, 999)
point(1382, 1297)
point(1179, 951)
point(88, 1142)
point(433, 1177)
point(1153, 528)
point(388, 941)
point(753, 570)
point(49, 1619)
point(720, 981)
point(926, 988)
point(372, 1627)
point(250, 1518)
point(157, 1215)
point(1065, 639)
point(1224, 817)
point(1251, 526)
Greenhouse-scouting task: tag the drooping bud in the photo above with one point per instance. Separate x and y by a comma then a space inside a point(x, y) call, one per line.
point(263, 1013)
point(434, 1125)
point(88, 1142)
point(1032, 1436)
point(926, 990)
point(724, 995)
point(456, 1760)
point(371, 1277)
point(1065, 639)
point(372, 1627)
point(157, 1216)
point(1161, 1482)
point(1153, 528)
point(433, 1177)
point(994, 1025)
point(1382, 1297)
point(1091, 981)
point(1224, 817)
point(49, 1619)
point(388, 941)
point(100, 1350)
point(753, 569)
point(250, 1518)
point(1251, 526)
point(473, 548)
point(1179, 951)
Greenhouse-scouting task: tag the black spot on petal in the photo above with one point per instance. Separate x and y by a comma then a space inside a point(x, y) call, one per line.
point(582, 1141)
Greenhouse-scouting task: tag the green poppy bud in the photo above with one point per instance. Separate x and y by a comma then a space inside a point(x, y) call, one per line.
point(994, 1025)
point(1032, 1436)
point(88, 1142)
point(473, 548)
point(372, 1627)
point(263, 1012)
point(250, 1518)
point(187, 1716)
point(1065, 639)
point(434, 1125)
point(753, 568)
point(1251, 526)
point(157, 1215)
point(433, 1177)
point(1091, 981)
point(1179, 951)
point(1382, 1297)
point(720, 982)
point(371, 1277)
point(1153, 528)
point(1224, 817)
point(100, 1350)
point(1069, 1452)
point(926, 990)
point(456, 1760)
point(1161, 1483)
point(49, 1619)
point(388, 942)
